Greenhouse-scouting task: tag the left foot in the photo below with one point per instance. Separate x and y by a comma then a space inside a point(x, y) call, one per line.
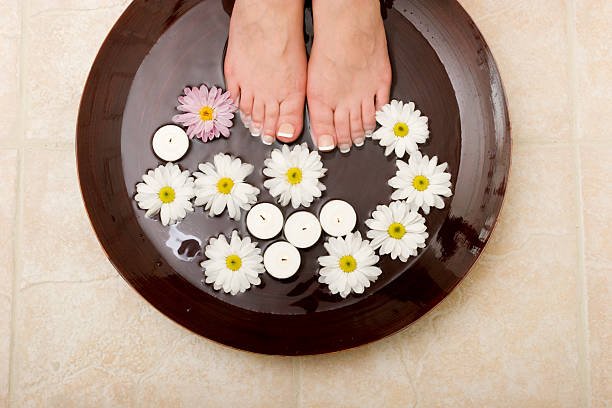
point(349, 73)
point(266, 65)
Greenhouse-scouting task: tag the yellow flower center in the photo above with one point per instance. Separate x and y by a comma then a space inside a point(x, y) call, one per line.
point(225, 185)
point(420, 183)
point(397, 230)
point(294, 176)
point(401, 129)
point(167, 195)
point(207, 113)
point(233, 263)
point(348, 264)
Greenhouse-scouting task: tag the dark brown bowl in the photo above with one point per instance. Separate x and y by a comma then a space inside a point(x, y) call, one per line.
point(440, 61)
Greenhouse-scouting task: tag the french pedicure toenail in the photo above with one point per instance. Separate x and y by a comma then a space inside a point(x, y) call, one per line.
point(359, 142)
point(255, 130)
point(344, 148)
point(326, 143)
point(246, 121)
point(285, 131)
point(267, 139)
point(369, 133)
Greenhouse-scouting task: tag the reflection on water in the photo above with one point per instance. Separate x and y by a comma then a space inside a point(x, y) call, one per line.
point(184, 247)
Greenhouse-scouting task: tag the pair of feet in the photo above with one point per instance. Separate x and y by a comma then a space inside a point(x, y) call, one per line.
point(345, 80)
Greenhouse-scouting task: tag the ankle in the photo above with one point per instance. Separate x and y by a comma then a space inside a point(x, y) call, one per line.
point(266, 9)
point(355, 13)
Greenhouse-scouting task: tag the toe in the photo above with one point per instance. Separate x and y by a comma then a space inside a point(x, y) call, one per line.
point(246, 103)
point(231, 83)
point(291, 119)
point(368, 116)
point(343, 129)
point(382, 97)
point(234, 90)
point(270, 122)
point(257, 117)
point(357, 132)
point(322, 125)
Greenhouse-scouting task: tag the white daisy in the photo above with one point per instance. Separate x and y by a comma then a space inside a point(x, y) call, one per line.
point(222, 185)
point(232, 266)
point(397, 230)
point(168, 191)
point(402, 128)
point(350, 265)
point(421, 182)
point(294, 175)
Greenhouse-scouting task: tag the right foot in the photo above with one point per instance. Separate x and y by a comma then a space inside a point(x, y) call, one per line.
point(265, 67)
point(349, 73)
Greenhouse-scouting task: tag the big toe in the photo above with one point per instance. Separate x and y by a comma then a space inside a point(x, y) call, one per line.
point(290, 119)
point(322, 125)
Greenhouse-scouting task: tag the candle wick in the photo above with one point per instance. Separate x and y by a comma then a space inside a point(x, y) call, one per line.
point(262, 217)
point(284, 259)
point(338, 220)
point(304, 229)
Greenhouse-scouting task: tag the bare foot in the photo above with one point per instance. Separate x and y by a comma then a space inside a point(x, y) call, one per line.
point(265, 65)
point(349, 73)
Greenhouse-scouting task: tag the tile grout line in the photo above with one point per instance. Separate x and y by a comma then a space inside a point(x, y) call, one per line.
point(583, 334)
point(18, 227)
point(584, 368)
point(298, 392)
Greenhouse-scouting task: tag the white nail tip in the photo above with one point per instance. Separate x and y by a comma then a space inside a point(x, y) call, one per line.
point(326, 148)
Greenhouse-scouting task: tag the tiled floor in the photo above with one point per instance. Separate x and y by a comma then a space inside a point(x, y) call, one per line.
point(529, 327)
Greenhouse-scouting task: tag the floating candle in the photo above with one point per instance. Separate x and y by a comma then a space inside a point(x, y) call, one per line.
point(170, 143)
point(282, 260)
point(303, 229)
point(338, 218)
point(265, 221)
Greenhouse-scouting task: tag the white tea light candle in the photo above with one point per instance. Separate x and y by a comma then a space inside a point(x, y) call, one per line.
point(282, 260)
point(303, 229)
point(265, 221)
point(170, 143)
point(338, 218)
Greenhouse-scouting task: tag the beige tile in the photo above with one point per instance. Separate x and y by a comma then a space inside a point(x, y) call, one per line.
point(10, 102)
point(61, 40)
point(59, 244)
point(507, 337)
point(84, 338)
point(10, 17)
point(596, 193)
point(540, 196)
point(593, 54)
point(8, 186)
point(369, 376)
point(99, 344)
point(530, 44)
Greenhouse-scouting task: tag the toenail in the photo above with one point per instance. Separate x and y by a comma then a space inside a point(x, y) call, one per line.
point(246, 121)
point(267, 139)
point(285, 131)
point(359, 142)
point(344, 148)
point(325, 143)
point(369, 133)
point(255, 130)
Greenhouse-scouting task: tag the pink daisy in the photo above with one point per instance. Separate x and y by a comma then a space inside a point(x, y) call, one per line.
point(209, 113)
